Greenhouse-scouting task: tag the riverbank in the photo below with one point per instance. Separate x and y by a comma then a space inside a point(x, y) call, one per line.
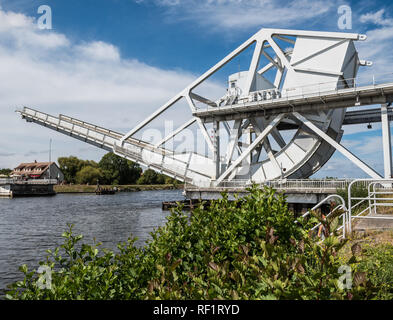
point(122, 188)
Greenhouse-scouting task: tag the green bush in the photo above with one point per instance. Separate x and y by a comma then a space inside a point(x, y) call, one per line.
point(250, 248)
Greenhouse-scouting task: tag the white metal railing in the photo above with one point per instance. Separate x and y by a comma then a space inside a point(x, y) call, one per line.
point(374, 199)
point(281, 184)
point(342, 206)
point(381, 197)
point(307, 184)
point(31, 181)
point(380, 194)
point(179, 169)
point(318, 89)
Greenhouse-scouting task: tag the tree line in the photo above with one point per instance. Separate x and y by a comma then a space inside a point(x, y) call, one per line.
point(5, 172)
point(110, 170)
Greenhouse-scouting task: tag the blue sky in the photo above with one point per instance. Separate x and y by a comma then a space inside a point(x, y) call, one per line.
point(112, 62)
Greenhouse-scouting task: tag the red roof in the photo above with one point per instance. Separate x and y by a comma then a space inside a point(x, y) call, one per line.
point(32, 169)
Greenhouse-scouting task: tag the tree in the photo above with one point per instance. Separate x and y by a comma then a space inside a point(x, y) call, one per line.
point(117, 170)
point(148, 177)
point(88, 175)
point(71, 165)
point(152, 177)
point(169, 180)
point(5, 172)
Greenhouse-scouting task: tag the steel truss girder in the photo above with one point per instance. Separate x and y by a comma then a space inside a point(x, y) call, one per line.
point(338, 147)
point(253, 145)
point(261, 38)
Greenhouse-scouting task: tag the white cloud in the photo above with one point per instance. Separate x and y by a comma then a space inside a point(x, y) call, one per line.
point(378, 46)
point(99, 50)
point(376, 18)
point(238, 15)
point(46, 70)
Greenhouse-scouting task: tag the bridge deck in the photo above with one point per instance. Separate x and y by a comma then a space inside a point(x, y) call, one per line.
point(302, 191)
point(342, 98)
point(109, 140)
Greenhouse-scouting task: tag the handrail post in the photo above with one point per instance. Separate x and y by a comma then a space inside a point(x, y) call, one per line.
point(369, 197)
point(350, 207)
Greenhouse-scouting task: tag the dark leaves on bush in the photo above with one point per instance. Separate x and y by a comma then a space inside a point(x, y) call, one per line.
point(168, 257)
point(270, 237)
point(215, 250)
point(359, 278)
point(214, 266)
point(301, 246)
point(244, 249)
point(356, 249)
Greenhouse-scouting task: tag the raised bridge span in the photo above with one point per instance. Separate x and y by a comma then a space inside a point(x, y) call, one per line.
point(282, 117)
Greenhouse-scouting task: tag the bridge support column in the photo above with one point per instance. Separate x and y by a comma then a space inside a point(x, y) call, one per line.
point(387, 146)
point(216, 147)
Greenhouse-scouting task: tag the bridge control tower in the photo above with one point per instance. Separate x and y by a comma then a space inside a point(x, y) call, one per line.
point(281, 119)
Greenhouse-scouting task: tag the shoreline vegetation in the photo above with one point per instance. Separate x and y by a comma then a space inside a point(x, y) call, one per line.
point(78, 188)
point(110, 170)
point(249, 249)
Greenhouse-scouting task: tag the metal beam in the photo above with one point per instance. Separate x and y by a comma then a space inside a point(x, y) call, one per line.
point(339, 147)
point(174, 133)
point(266, 143)
point(253, 67)
point(233, 141)
point(216, 145)
point(387, 146)
point(151, 118)
point(366, 116)
point(260, 137)
point(202, 99)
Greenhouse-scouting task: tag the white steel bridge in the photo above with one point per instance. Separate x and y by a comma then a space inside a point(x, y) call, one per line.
point(282, 118)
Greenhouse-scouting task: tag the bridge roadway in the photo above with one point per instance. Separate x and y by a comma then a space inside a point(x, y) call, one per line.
point(307, 192)
point(303, 103)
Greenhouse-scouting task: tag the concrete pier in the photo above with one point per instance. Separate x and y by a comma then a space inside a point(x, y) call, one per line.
point(18, 188)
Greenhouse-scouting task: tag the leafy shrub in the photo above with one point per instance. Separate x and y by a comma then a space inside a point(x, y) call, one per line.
point(250, 248)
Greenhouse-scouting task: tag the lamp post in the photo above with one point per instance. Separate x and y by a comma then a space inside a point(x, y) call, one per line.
point(50, 156)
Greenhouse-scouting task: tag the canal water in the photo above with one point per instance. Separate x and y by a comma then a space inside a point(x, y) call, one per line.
point(30, 226)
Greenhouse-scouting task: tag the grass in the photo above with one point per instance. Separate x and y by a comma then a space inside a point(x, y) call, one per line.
point(76, 188)
point(367, 239)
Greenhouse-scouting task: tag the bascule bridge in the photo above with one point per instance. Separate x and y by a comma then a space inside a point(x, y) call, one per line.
point(277, 122)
